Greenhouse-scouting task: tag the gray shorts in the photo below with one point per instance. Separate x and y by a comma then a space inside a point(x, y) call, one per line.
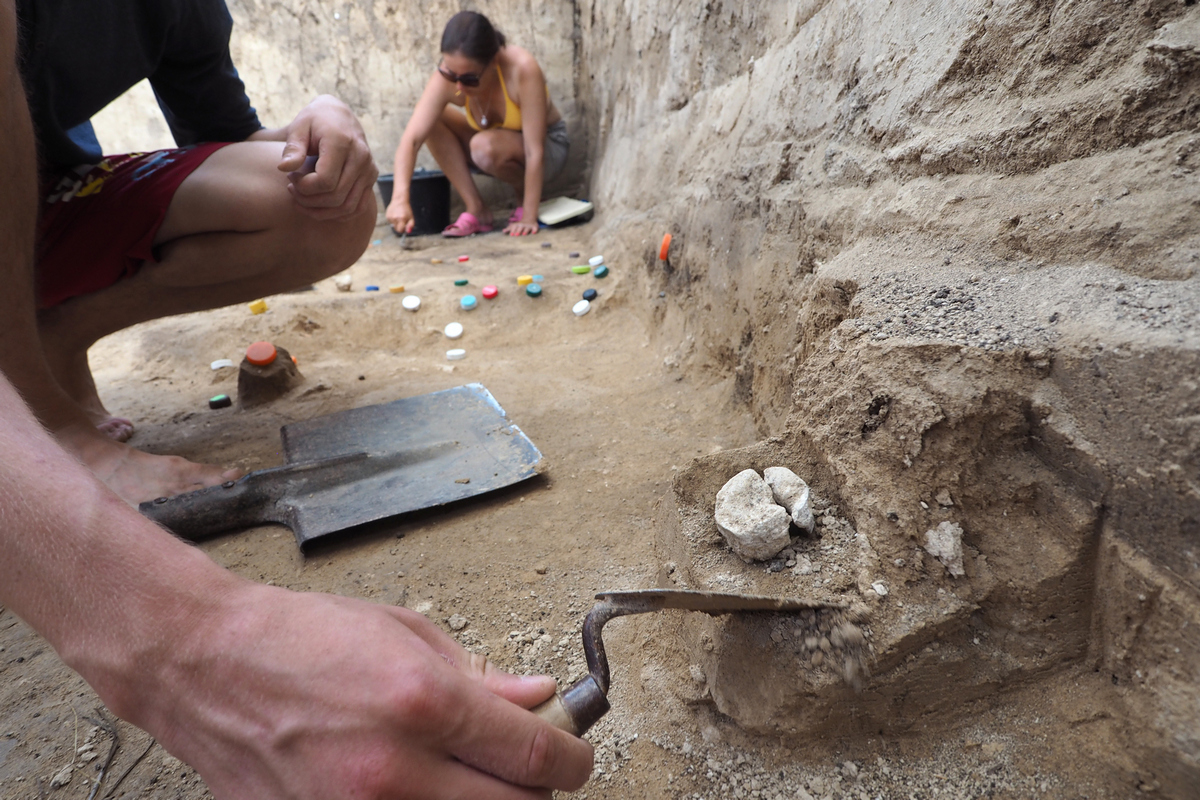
point(554, 153)
point(557, 146)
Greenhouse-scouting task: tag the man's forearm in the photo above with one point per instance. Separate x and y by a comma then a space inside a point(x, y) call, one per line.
point(107, 588)
point(268, 135)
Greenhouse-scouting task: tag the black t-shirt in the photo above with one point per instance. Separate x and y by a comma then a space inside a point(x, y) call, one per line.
point(77, 56)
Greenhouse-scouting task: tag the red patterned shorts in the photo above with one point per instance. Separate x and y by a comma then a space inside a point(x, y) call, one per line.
point(98, 222)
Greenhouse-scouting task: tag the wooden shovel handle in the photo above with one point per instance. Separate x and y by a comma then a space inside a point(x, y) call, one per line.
point(576, 709)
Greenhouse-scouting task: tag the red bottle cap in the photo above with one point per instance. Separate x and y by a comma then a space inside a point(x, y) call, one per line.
point(490, 291)
point(260, 354)
point(464, 258)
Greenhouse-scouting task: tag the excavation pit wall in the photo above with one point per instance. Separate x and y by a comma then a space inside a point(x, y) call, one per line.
point(946, 250)
point(934, 247)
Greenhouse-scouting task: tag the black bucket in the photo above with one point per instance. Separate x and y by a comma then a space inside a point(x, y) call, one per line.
point(429, 197)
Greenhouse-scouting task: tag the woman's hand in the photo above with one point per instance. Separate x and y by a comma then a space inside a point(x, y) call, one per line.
point(400, 215)
point(521, 228)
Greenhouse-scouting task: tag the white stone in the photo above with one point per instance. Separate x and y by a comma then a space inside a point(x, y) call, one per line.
point(62, 777)
point(457, 622)
point(343, 282)
point(945, 544)
point(792, 493)
point(879, 588)
point(747, 515)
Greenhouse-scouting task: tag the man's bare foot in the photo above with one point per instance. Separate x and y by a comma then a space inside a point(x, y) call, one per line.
point(136, 476)
point(116, 428)
point(71, 369)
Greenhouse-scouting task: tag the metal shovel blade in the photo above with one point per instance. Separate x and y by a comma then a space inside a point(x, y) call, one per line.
point(367, 464)
point(643, 600)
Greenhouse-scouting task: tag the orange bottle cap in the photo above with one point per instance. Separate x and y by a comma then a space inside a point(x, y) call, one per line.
point(260, 354)
point(666, 246)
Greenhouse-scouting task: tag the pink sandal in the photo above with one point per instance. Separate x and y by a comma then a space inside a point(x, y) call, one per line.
point(467, 224)
point(517, 215)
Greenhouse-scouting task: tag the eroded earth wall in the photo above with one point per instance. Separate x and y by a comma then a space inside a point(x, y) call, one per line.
point(949, 251)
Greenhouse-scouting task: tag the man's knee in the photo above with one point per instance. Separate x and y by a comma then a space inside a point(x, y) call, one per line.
point(333, 245)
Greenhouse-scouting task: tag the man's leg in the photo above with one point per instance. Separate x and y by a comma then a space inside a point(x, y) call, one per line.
point(21, 356)
point(232, 233)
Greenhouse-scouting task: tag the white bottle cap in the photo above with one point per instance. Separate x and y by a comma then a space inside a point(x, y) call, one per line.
point(411, 302)
point(596, 261)
point(454, 330)
point(456, 354)
point(222, 362)
point(581, 308)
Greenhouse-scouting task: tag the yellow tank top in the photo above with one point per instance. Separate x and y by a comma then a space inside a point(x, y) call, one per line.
point(512, 112)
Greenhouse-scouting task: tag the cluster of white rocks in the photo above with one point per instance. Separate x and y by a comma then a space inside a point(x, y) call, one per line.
point(754, 512)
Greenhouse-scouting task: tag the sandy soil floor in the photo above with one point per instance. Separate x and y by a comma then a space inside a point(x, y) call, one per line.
point(520, 567)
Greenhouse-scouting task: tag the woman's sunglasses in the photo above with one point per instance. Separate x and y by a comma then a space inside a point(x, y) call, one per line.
point(466, 79)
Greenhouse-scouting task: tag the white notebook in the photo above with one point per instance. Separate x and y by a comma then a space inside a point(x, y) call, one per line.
point(561, 209)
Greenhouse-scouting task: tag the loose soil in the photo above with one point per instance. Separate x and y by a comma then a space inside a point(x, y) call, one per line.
point(602, 397)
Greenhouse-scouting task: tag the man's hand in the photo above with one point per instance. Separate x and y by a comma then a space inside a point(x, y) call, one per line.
point(290, 695)
point(332, 187)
